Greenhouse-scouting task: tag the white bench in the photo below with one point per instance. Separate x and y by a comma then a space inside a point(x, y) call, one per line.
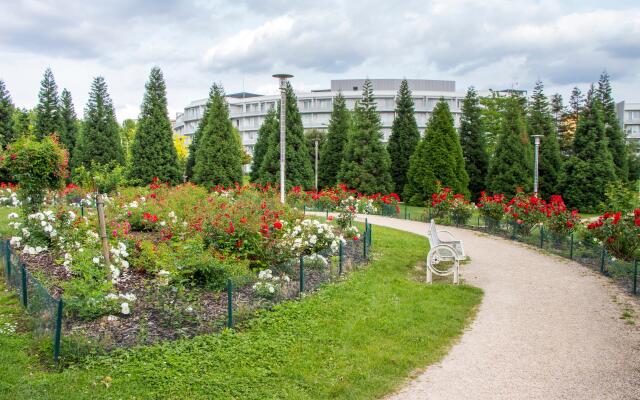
point(444, 256)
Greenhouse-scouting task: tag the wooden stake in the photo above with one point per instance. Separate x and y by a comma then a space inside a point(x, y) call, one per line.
point(103, 228)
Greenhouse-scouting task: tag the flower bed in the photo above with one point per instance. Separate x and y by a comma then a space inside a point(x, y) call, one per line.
point(172, 251)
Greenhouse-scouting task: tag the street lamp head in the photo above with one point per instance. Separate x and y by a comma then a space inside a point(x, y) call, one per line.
point(282, 76)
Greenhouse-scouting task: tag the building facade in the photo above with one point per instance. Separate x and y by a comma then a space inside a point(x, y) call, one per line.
point(629, 118)
point(247, 110)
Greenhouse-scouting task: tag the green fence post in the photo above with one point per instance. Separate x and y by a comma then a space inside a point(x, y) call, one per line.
point(635, 276)
point(340, 257)
point(602, 255)
point(301, 274)
point(327, 216)
point(405, 211)
point(304, 209)
point(24, 286)
point(370, 236)
point(58, 334)
point(541, 236)
point(81, 210)
point(229, 303)
point(364, 244)
point(571, 248)
point(7, 255)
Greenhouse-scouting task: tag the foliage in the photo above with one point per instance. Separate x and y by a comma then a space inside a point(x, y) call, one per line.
point(127, 134)
point(37, 166)
point(182, 151)
point(492, 207)
point(193, 147)
point(312, 136)
point(404, 136)
point(586, 174)
point(219, 153)
point(619, 233)
point(47, 119)
point(152, 151)
point(445, 203)
point(613, 130)
point(7, 130)
point(68, 131)
point(22, 122)
point(332, 150)
point(438, 158)
point(473, 143)
point(298, 169)
point(560, 220)
point(511, 166)
point(269, 126)
point(103, 178)
point(366, 165)
point(492, 115)
point(100, 136)
point(540, 122)
point(619, 197)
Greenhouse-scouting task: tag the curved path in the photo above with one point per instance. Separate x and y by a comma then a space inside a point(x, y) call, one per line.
point(547, 328)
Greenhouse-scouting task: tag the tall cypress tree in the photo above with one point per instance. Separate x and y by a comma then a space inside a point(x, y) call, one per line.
point(99, 140)
point(332, 151)
point(48, 109)
point(7, 131)
point(269, 127)
point(152, 151)
point(298, 169)
point(438, 158)
point(540, 122)
point(586, 174)
point(472, 140)
point(613, 130)
point(68, 122)
point(219, 152)
point(404, 136)
point(193, 147)
point(511, 166)
point(366, 165)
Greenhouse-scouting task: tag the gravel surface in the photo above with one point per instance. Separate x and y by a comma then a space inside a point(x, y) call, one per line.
point(547, 328)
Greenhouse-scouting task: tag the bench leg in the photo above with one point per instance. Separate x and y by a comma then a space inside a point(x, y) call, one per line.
point(429, 275)
point(456, 275)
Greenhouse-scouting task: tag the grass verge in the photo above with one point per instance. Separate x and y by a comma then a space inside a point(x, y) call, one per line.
point(357, 339)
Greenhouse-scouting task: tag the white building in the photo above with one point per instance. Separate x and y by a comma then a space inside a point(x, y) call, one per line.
point(629, 117)
point(247, 110)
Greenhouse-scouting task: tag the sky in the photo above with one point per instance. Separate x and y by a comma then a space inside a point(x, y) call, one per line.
point(494, 44)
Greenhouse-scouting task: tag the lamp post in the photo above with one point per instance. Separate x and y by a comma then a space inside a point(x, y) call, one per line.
point(536, 164)
point(283, 102)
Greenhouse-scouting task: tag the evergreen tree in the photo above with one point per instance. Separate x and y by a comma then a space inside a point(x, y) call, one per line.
point(511, 166)
point(193, 147)
point(404, 136)
point(438, 158)
point(7, 131)
point(127, 134)
point(590, 169)
point(219, 152)
point(492, 114)
point(48, 109)
point(613, 130)
point(298, 170)
point(540, 122)
point(21, 122)
point(99, 140)
point(557, 110)
point(152, 151)
point(270, 127)
point(366, 165)
point(332, 151)
point(68, 122)
point(473, 143)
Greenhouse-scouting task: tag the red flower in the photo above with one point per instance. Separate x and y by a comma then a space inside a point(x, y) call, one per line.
point(355, 238)
point(277, 225)
point(330, 218)
point(13, 156)
point(616, 217)
point(231, 228)
point(243, 220)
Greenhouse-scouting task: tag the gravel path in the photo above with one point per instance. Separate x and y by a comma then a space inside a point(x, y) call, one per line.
point(547, 328)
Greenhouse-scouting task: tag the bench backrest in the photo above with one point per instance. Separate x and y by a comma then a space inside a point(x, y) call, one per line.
point(433, 234)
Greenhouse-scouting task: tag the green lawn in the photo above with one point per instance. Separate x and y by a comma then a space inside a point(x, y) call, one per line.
point(357, 339)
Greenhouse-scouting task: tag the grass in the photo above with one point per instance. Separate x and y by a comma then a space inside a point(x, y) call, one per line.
point(356, 339)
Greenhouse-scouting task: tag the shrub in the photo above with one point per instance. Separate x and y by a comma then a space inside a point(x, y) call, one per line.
point(559, 219)
point(619, 233)
point(492, 207)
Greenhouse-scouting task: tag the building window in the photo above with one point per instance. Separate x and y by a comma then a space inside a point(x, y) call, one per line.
point(355, 88)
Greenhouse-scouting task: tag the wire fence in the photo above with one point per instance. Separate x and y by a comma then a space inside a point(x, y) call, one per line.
point(45, 310)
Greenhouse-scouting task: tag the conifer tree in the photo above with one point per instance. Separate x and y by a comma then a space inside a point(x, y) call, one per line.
point(153, 152)
point(540, 122)
point(48, 109)
point(298, 169)
point(219, 152)
point(21, 122)
point(366, 166)
point(193, 147)
point(332, 151)
point(586, 174)
point(7, 131)
point(270, 126)
point(438, 158)
point(68, 122)
point(613, 130)
point(99, 140)
point(511, 166)
point(472, 140)
point(404, 136)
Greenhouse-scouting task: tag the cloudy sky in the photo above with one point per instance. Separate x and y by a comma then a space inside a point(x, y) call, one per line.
point(241, 43)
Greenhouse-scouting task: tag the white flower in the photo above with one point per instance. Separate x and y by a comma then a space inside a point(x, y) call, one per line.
point(163, 223)
point(124, 308)
point(72, 216)
point(12, 216)
point(163, 273)
point(111, 296)
point(128, 296)
point(96, 260)
point(271, 289)
point(189, 309)
point(112, 318)
point(15, 241)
